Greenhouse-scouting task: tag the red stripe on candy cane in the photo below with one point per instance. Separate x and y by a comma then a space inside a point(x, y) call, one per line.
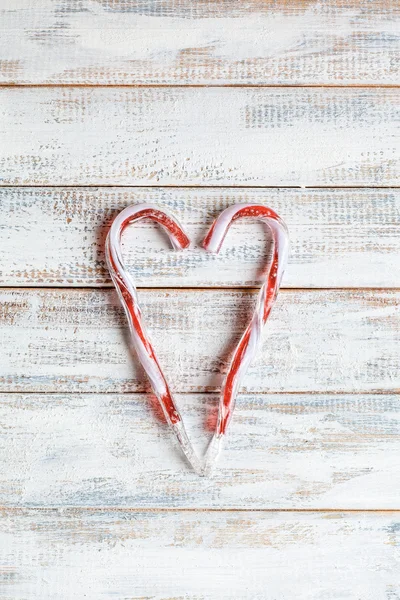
point(127, 293)
point(248, 345)
point(250, 341)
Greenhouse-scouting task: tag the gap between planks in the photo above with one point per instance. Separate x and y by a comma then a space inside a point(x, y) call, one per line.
point(199, 187)
point(200, 85)
point(230, 288)
point(79, 508)
point(205, 393)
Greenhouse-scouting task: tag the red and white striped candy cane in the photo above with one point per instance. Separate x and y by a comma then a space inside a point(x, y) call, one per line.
point(250, 341)
point(128, 296)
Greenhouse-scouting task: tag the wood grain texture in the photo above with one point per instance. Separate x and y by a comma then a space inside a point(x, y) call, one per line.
point(101, 554)
point(78, 470)
point(184, 42)
point(77, 340)
point(213, 136)
point(339, 238)
point(282, 451)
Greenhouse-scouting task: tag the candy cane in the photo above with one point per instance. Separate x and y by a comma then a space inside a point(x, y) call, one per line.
point(128, 296)
point(247, 347)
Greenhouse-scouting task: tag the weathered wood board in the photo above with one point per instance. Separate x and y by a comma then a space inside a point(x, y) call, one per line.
point(185, 42)
point(95, 499)
point(200, 136)
point(283, 451)
point(318, 341)
point(53, 555)
point(339, 237)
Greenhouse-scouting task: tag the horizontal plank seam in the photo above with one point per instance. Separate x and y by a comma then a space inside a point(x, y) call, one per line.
point(197, 187)
point(207, 289)
point(177, 288)
point(20, 508)
point(202, 85)
point(376, 392)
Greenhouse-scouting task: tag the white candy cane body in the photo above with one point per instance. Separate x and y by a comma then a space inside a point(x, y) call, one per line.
point(250, 341)
point(128, 296)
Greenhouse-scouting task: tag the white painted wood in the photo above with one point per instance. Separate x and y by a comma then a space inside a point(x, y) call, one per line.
point(53, 555)
point(287, 450)
point(77, 340)
point(219, 42)
point(200, 136)
point(339, 238)
point(282, 451)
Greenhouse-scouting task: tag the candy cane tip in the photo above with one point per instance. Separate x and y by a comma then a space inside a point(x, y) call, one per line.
point(211, 246)
point(187, 448)
point(212, 454)
point(180, 240)
point(185, 244)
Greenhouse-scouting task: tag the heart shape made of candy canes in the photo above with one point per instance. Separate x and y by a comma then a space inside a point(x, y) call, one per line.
point(250, 340)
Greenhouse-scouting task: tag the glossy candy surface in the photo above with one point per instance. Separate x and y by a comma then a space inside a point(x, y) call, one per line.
point(250, 341)
point(251, 338)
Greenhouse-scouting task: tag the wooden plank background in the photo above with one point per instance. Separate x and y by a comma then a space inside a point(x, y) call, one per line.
point(338, 237)
point(195, 106)
point(315, 341)
point(199, 43)
point(130, 554)
point(200, 136)
point(284, 451)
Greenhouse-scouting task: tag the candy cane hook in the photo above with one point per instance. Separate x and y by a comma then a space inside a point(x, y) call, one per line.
point(128, 296)
point(248, 345)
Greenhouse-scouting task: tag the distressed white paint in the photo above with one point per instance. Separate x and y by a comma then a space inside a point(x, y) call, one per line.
point(338, 238)
point(53, 555)
point(131, 42)
point(77, 340)
point(200, 136)
point(285, 451)
point(282, 451)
